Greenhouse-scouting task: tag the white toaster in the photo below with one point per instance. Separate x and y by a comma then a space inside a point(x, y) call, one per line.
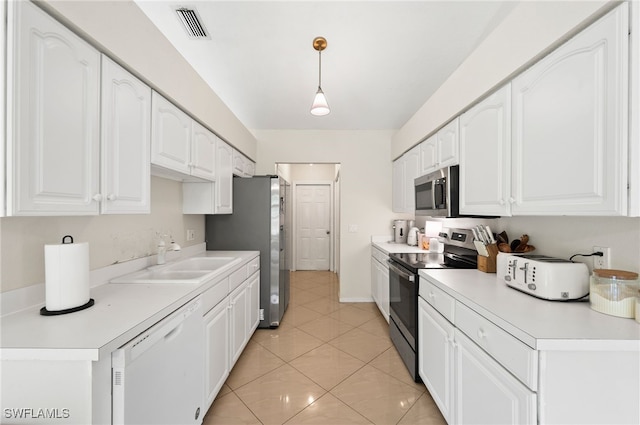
point(544, 277)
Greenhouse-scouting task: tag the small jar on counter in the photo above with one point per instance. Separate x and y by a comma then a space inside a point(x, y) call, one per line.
point(614, 292)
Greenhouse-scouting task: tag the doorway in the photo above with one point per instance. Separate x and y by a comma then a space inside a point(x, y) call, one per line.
point(314, 222)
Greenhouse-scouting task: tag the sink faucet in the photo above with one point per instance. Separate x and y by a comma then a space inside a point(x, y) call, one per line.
point(162, 249)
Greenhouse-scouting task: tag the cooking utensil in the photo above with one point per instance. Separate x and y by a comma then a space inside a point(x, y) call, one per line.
point(481, 248)
point(490, 234)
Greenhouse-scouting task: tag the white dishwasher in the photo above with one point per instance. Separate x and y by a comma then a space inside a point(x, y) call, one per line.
point(157, 377)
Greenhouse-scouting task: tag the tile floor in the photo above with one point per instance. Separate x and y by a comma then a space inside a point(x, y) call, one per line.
point(328, 363)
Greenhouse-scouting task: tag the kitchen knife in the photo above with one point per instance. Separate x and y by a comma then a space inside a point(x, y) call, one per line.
point(490, 234)
point(483, 237)
point(475, 234)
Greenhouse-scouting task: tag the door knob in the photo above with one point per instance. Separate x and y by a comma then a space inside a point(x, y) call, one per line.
point(328, 232)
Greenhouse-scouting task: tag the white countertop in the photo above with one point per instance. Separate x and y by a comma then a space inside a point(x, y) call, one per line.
point(396, 248)
point(121, 312)
point(541, 324)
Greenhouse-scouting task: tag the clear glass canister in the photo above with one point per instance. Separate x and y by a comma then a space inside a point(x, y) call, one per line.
point(614, 292)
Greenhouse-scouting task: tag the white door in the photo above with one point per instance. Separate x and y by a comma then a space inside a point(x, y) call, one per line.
point(313, 230)
point(224, 178)
point(216, 327)
point(448, 144)
point(429, 155)
point(126, 136)
point(54, 117)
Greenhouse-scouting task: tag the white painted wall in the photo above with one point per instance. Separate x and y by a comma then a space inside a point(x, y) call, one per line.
point(365, 189)
point(121, 29)
point(529, 31)
point(111, 238)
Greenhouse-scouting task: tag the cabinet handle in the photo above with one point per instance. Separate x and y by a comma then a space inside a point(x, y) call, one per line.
point(512, 200)
point(97, 197)
point(432, 295)
point(481, 334)
point(111, 197)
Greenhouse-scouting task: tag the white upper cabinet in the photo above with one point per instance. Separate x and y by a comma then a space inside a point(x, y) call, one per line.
point(405, 170)
point(53, 118)
point(3, 43)
point(440, 150)
point(171, 136)
point(242, 166)
point(203, 152)
point(126, 136)
point(569, 153)
point(634, 111)
point(224, 179)
point(485, 161)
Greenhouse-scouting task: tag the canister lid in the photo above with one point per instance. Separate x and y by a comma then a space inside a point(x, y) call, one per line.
point(615, 274)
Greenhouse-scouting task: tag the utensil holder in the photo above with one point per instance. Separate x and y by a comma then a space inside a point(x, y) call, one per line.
point(488, 264)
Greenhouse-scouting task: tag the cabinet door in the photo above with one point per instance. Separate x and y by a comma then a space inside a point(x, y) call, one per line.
point(435, 356)
point(126, 136)
point(254, 302)
point(249, 168)
point(53, 120)
point(570, 125)
point(485, 392)
point(203, 152)
point(383, 273)
point(238, 334)
point(170, 136)
point(448, 144)
point(238, 163)
point(3, 62)
point(412, 170)
point(217, 352)
point(224, 178)
point(397, 182)
point(375, 283)
point(429, 155)
point(485, 161)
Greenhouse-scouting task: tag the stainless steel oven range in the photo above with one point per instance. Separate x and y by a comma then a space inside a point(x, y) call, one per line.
point(403, 289)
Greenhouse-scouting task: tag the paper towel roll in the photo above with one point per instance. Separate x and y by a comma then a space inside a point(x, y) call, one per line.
point(66, 275)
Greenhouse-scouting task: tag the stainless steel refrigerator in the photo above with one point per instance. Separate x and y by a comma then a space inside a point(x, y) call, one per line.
point(258, 223)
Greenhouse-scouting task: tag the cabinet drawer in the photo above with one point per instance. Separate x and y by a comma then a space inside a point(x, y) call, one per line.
point(212, 296)
point(237, 277)
point(379, 255)
point(511, 353)
point(440, 300)
point(253, 266)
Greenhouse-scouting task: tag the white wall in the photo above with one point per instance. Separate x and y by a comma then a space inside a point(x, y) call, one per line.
point(365, 189)
point(530, 30)
point(123, 30)
point(112, 238)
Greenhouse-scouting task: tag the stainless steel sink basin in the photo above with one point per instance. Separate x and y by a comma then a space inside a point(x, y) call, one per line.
point(194, 270)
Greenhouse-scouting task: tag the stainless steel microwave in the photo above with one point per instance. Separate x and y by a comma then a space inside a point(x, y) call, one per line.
point(437, 193)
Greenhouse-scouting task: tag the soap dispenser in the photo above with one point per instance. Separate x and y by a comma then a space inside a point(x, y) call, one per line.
point(162, 250)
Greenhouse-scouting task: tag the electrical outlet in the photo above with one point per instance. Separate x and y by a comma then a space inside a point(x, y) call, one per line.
point(604, 261)
point(191, 234)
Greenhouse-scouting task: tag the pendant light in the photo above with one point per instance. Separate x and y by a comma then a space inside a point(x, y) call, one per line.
point(320, 106)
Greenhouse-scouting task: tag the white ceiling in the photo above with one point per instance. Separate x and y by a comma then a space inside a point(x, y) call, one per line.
point(383, 61)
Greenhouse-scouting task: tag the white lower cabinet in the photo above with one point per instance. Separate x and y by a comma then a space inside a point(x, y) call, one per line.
point(435, 363)
point(467, 384)
point(380, 281)
point(238, 332)
point(485, 392)
point(217, 366)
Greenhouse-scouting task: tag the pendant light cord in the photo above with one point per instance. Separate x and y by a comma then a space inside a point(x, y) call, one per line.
point(319, 68)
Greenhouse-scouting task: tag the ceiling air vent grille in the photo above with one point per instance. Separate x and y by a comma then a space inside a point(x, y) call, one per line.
point(191, 22)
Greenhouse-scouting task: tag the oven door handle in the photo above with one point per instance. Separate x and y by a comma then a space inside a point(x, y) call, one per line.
point(400, 272)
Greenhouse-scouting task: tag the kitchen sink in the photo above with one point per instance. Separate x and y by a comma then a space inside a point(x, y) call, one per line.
point(196, 270)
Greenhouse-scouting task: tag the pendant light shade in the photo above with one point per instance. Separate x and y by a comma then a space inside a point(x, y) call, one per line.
point(320, 105)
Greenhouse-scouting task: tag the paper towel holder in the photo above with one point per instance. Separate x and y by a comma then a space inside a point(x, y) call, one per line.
point(44, 312)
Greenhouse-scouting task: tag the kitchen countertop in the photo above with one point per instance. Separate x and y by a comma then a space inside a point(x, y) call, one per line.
point(121, 312)
point(396, 248)
point(541, 324)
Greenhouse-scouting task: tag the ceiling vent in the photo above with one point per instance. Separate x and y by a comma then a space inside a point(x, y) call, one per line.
point(191, 22)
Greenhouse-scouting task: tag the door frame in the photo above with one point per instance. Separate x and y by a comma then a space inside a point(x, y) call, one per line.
point(294, 220)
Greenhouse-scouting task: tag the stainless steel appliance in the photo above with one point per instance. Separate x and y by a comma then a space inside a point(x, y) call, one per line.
point(404, 285)
point(437, 193)
point(544, 277)
point(157, 377)
point(258, 222)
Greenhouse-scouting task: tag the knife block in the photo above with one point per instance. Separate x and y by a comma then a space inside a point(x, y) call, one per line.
point(488, 264)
